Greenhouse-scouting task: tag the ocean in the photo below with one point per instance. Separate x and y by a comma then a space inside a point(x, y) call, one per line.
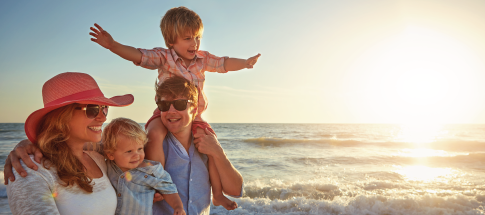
point(344, 168)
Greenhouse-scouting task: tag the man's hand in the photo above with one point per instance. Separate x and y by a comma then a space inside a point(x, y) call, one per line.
point(21, 151)
point(207, 143)
point(251, 61)
point(101, 37)
point(178, 211)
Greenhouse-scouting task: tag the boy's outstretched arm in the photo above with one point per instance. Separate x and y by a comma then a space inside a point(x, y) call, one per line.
point(104, 39)
point(233, 64)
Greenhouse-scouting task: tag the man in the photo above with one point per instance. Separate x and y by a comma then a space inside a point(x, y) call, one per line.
point(185, 157)
point(188, 167)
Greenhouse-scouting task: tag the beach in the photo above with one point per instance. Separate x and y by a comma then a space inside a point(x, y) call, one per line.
point(344, 168)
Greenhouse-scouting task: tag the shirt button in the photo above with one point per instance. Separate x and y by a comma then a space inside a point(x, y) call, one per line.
point(190, 179)
point(119, 194)
point(146, 176)
point(190, 201)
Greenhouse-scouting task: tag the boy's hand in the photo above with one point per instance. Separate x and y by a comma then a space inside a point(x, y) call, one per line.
point(251, 61)
point(101, 37)
point(207, 143)
point(178, 211)
point(157, 197)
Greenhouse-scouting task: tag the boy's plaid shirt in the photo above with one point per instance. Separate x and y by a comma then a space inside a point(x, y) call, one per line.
point(168, 64)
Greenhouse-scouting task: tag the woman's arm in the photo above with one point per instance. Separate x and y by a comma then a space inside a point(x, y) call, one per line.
point(231, 179)
point(22, 151)
point(33, 194)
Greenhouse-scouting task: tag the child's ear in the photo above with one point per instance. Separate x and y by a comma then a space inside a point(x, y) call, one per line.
point(110, 156)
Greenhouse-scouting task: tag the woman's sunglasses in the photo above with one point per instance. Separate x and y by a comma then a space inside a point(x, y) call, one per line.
point(179, 105)
point(92, 111)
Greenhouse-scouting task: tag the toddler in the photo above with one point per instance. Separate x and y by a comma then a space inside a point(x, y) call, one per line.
point(182, 31)
point(135, 179)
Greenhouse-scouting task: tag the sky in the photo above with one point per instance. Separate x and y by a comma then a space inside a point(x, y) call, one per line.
point(349, 61)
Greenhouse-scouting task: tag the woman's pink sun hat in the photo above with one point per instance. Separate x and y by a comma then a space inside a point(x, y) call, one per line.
point(67, 88)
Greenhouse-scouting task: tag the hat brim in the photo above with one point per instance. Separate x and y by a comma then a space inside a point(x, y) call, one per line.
point(34, 118)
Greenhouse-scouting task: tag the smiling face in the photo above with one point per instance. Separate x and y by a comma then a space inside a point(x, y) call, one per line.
point(83, 129)
point(186, 46)
point(178, 121)
point(129, 153)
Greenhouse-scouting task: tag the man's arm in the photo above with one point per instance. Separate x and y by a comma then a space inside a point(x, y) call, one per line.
point(234, 64)
point(231, 179)
point(22, 151)
point(156, 132)
point(104, 39)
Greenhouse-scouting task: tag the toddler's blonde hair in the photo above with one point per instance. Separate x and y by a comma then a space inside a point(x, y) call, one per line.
point(121, 126)
point(177, 22)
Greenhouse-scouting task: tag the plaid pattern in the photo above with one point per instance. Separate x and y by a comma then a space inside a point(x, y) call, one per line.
point(136, 187)
point(168, 64)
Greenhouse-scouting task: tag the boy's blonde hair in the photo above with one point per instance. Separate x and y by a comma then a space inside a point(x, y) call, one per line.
point(177, 22)
point(121, 126)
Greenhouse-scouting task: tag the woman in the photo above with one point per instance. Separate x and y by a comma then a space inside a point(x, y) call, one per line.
point(68, 180)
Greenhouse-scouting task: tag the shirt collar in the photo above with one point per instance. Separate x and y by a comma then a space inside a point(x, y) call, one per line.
point(149, 169)
point(176, 56)
point(179, 145)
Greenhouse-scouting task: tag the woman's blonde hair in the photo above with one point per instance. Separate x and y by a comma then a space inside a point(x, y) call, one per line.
point(122, 126)
point(53, 133)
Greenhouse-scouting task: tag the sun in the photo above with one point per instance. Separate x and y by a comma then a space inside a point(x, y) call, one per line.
point(419, 76)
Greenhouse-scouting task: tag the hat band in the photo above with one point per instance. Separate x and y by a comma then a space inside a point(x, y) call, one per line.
point(77, 96)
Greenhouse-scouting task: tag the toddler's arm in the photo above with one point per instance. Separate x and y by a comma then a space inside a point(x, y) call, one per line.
point(233, 64)
point(174, 201)
point(104, 39)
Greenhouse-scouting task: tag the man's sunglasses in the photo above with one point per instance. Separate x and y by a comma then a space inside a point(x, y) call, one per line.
point(92, 111)
point(179, 105)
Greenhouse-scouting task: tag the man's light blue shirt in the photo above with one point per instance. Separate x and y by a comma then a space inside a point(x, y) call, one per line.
point(190, 173)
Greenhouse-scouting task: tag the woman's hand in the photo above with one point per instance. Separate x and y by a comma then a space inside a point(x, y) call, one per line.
point(21, 151)
point(206, 143)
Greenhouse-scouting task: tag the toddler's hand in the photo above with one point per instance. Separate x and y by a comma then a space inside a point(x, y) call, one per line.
point(101, 37)
point(178, 211)
point(251, 61)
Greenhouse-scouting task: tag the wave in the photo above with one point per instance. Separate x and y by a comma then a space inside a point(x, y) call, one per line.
point(331, 197)
point(3, 188)
point(15, 131)
point(429, 204)
point(471, 160)
point(450, 144)
point(281, 141)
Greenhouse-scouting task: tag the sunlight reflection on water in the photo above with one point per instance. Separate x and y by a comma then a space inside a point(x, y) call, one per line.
point(423, 173)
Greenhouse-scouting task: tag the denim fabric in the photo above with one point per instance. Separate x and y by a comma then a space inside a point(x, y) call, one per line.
point(135, 188)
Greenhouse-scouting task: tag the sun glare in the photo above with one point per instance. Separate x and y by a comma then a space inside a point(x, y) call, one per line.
point(419, 76)
point(422, 173)
point(419, 133)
